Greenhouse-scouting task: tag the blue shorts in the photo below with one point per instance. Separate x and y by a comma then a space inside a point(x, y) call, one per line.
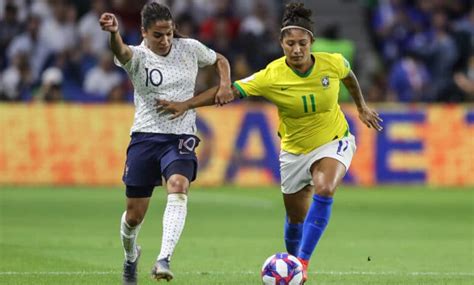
point(151, 156)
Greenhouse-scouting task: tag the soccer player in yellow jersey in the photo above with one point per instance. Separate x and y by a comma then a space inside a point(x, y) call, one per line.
point(316, 143)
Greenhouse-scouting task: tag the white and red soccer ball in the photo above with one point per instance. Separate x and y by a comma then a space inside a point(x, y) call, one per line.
point(282, 269)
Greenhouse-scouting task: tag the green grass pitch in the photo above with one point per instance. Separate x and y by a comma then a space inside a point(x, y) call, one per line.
point(384, 235)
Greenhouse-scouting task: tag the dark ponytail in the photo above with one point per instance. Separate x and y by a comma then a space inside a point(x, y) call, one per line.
point(155, 11)
point(297, 15)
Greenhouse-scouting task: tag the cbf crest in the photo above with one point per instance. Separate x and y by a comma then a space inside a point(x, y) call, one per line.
point(325, 81)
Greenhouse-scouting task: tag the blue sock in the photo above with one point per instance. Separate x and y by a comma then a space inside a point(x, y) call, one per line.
point(293, 234)
point(315, 224)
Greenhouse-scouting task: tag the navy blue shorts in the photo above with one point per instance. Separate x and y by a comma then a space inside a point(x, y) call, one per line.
point(153, 156)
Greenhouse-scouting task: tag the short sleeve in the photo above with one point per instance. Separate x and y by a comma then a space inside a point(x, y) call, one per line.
point(342, 65)
point(132, 65)
point(205, 55)
point(254, 85)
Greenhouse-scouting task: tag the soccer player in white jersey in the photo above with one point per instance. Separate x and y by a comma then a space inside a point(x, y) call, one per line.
point(165, 67)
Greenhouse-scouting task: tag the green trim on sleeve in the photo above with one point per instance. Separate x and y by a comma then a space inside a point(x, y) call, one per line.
point(241, 90)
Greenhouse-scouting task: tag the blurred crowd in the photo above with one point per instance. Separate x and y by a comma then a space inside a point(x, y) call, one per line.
point(426, 49)
point(54, 50)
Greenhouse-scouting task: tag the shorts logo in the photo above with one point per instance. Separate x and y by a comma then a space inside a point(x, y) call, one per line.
point(186, 146)
point(125, 172)
point(325, 81)
point(342, 147)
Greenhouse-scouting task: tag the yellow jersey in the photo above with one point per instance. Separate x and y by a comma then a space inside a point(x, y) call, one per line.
point(308, 108)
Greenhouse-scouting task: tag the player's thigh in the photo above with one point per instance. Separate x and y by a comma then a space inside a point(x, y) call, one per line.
point(327, 174)
point(294, 172)
point(297, 204)
point(179, 174)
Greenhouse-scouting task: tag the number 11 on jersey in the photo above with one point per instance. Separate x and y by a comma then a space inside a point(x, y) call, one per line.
point(305, 103)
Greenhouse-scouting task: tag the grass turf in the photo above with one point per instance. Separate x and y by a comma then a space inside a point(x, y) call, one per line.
point(387, 235)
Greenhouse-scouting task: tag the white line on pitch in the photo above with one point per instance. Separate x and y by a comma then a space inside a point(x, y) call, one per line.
point(246, 273)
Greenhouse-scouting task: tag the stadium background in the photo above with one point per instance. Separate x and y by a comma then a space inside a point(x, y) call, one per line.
point(404, 52)
point(65, 114)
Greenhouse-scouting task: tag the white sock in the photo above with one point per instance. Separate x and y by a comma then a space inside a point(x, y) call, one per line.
point(173, 223)
point(129, 235)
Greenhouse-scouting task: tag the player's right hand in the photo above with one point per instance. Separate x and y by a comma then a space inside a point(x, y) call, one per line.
point(108, 22)
point(176, 109)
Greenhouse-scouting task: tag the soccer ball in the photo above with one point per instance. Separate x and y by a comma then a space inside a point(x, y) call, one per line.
point(282, 269)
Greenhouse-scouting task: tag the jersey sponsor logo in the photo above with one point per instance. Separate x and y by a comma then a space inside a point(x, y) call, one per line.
point(325, 81)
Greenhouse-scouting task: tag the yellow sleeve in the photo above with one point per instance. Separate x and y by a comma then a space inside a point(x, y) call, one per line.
point(342, 65)
point(254, 85)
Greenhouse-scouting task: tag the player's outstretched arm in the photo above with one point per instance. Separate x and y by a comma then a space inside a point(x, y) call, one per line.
point(224, 93)
point(368, 116)
point(108, 22)
point(206, 98)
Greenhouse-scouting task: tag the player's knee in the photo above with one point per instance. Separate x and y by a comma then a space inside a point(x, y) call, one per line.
point(134, 219)
point(178, 184)
point(325, 189)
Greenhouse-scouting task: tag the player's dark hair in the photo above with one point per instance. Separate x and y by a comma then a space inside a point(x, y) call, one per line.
point(296, 15)
point(155, 11)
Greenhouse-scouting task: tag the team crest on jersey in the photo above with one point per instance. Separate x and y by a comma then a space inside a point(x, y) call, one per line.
point(325, 81)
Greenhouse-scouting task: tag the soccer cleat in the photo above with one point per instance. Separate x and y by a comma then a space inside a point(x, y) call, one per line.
point(305, 269)
point(129, 276)
point(161, 270)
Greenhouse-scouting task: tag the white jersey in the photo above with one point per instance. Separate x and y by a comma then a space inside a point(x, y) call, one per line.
point(171, 77)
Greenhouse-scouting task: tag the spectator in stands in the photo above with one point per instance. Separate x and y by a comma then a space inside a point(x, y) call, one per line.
point(465, 80)
point(30, 44)
point(187, 25)
point(101, 79)
point(464, 36)
point(409, 79)
point(51, 84)
point(16, 79)
point(392, 27)
point(92, 37)
point(222, 21)
point(9, 27)
point(128, 12)
point(258, 38)
point(117, 95)
point(443, 56)
point(59, 31)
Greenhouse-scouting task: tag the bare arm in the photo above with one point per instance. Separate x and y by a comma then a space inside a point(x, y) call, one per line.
point(224, 93)
point(368, 116)
point(108, 22)
point(206, 98)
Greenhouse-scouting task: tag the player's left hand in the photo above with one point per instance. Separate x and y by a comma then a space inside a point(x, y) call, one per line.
point(176, 109)
point(224, 95)
point(370, 118)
